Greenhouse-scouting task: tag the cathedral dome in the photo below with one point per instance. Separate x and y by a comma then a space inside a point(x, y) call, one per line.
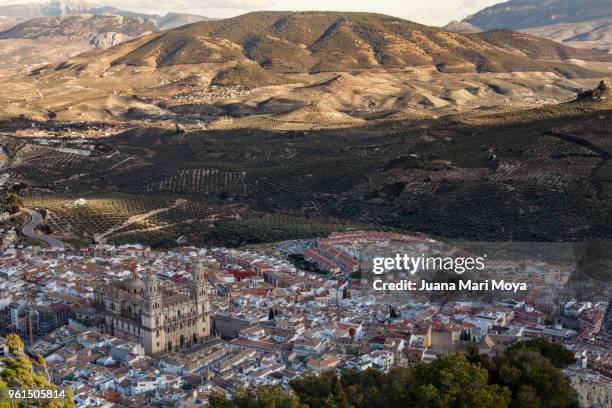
point(134, 285)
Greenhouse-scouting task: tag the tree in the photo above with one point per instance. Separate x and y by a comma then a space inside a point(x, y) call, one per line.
point(265, 397)
point(526, 397)
point(452, 381)
point(533, 379)
point(558, 355)
point(448, 382)
point(18, 373)
point(12, 203)
point(323, 391)
point(271, 314)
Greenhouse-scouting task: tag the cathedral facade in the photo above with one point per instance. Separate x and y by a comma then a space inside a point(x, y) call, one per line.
point(159, 319)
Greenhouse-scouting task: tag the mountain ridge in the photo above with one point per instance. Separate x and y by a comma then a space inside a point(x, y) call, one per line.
point(55, 8)
point(583, 24)
point(518, 14)
point(80, 25)
point(365, 65)
point(312, 42)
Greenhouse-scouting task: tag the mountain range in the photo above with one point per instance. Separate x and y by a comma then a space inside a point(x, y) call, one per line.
point(583, 23)
point(35, 34)
point(49, 39)
point(81, 26)
point(328, 68)
point(54, 8)
point(517, 14)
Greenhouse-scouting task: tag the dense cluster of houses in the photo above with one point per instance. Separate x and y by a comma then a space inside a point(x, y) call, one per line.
point(270, 321)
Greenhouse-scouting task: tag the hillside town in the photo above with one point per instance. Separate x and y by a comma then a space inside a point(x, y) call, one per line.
point(136, 326)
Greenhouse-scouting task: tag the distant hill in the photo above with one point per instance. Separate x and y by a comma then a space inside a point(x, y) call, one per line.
point(48, 39)
point(267, 63)
point(462, 27)
point(517, 14)
point(247, 74)
point(298, 42)
point(595, 34)
point(6, 23)
point(582, 24)
point(22, 11)
point(41, 33)
point(173, 20)
point(80, 25)
point(54, 8)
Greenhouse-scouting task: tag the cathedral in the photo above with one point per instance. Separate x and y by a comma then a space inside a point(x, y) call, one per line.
point(160, 319)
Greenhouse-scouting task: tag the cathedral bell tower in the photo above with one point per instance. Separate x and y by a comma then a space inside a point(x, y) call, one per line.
point(200, 286)
point(199, 294)
point(152, 302)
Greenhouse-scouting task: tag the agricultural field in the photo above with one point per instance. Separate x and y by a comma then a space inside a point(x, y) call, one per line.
point(162, 220)
point(528, 175)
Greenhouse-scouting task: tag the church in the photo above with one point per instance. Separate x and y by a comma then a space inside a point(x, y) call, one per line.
point(160, 319)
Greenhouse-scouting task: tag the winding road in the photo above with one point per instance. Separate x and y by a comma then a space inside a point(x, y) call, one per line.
point(31, 226)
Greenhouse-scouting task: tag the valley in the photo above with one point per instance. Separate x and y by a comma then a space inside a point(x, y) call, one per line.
point(475, 175)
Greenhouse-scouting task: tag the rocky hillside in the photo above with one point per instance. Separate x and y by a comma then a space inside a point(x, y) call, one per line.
point(298, 42)
point(49, 39)
point(516, 14)
point(602, 91)
point(582, 24)
point(595, 34)
point(55, 8)
point(461, 27)
point(90, 27)
point(245, 71)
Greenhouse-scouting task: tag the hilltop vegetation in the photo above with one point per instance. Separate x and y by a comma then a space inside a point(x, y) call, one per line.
point(173, 48)
point(19, 373)
point(249, 75)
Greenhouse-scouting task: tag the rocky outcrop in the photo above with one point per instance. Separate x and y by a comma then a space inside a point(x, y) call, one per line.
point(602, 91)
point(593, 388)
point(108, 39)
